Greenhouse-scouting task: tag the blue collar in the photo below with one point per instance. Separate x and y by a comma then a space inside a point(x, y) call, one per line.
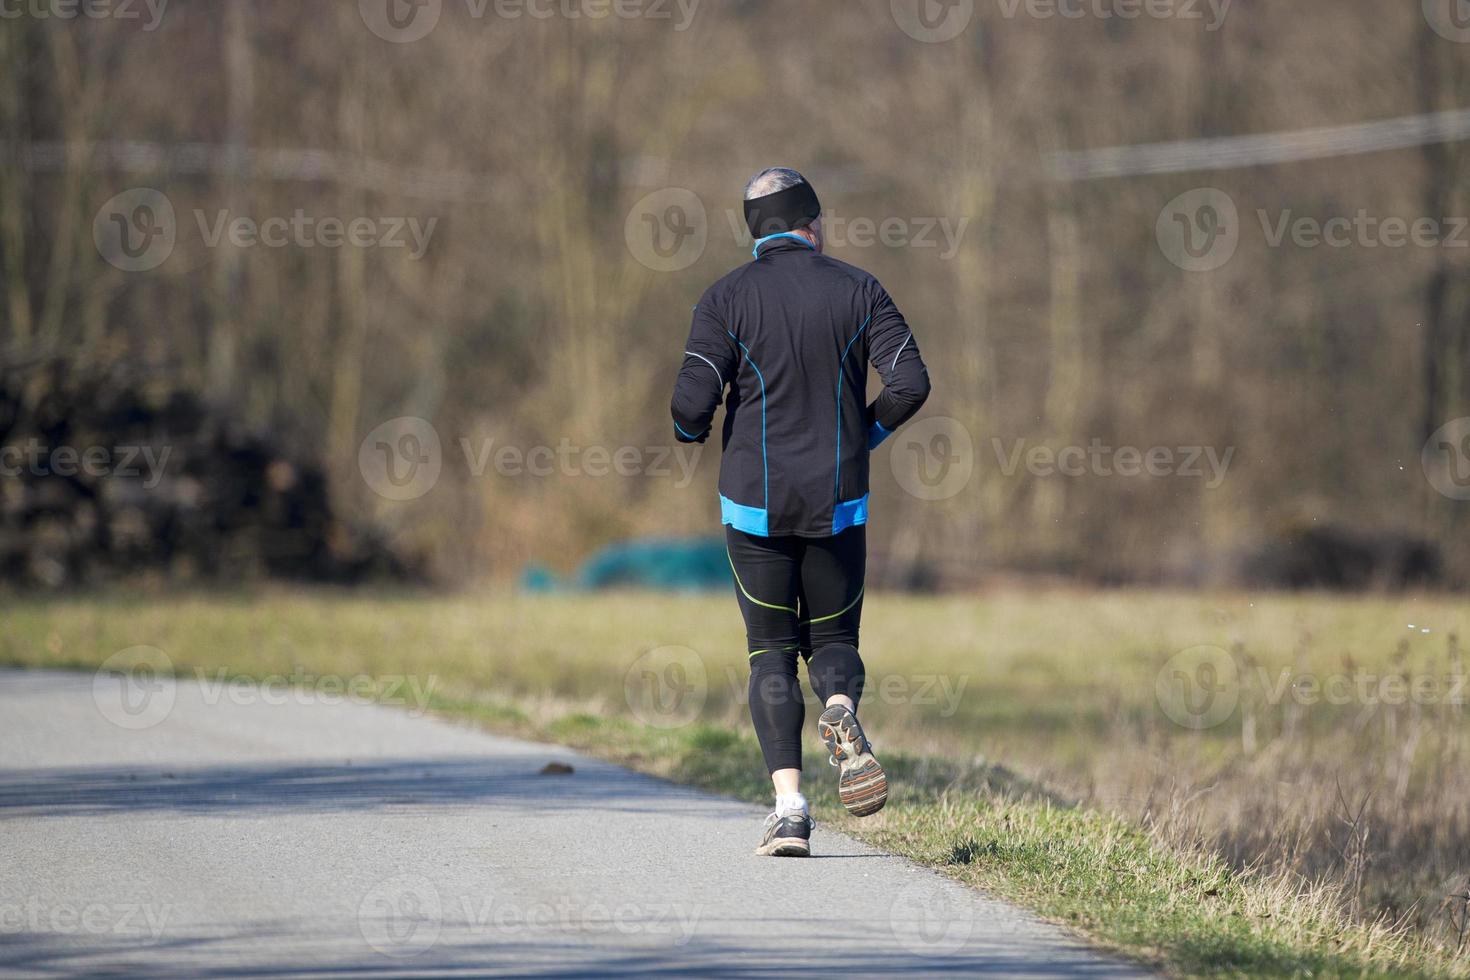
point(756, 251)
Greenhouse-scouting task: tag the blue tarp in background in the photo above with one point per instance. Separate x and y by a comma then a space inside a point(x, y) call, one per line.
point(662, 564)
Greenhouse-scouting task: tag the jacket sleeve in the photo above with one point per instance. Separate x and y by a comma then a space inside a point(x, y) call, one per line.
point(894, 353)
point(710, 360)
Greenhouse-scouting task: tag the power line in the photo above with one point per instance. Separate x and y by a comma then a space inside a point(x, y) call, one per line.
point(309, 165)
point(1229, 152)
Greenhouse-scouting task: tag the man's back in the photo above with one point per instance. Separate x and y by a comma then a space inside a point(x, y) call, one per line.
point(792, 333)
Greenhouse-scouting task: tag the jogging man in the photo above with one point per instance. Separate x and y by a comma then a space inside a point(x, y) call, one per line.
point(791, 335)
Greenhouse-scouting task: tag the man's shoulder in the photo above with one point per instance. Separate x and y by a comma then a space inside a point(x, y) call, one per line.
point(726, 284)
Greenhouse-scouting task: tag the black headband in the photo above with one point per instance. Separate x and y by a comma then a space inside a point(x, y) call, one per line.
point(795, 207)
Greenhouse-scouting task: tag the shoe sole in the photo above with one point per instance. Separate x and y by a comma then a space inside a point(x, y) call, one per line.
point(785, 847)
point(861, 783)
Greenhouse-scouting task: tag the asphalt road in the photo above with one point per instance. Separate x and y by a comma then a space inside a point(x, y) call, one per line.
point(224, 834)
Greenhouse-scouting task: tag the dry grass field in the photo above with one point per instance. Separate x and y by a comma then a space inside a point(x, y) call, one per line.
point(1312, 741)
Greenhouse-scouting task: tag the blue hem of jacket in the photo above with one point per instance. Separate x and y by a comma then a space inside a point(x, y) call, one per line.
point(755, 520)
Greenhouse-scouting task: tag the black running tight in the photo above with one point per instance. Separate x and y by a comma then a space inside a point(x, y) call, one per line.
point(801, 598)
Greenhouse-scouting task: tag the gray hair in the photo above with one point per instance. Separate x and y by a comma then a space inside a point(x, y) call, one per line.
point(771, 180)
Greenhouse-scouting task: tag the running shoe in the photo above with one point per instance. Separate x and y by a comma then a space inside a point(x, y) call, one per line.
point(861, 783)
point(788, 836)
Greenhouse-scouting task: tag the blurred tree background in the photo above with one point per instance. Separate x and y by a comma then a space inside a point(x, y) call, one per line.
point(529, 319)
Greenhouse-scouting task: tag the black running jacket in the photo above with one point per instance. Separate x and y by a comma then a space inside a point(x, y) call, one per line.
point(791, 334)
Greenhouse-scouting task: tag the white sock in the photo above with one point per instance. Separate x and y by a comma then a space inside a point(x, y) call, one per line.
point(788, 804)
